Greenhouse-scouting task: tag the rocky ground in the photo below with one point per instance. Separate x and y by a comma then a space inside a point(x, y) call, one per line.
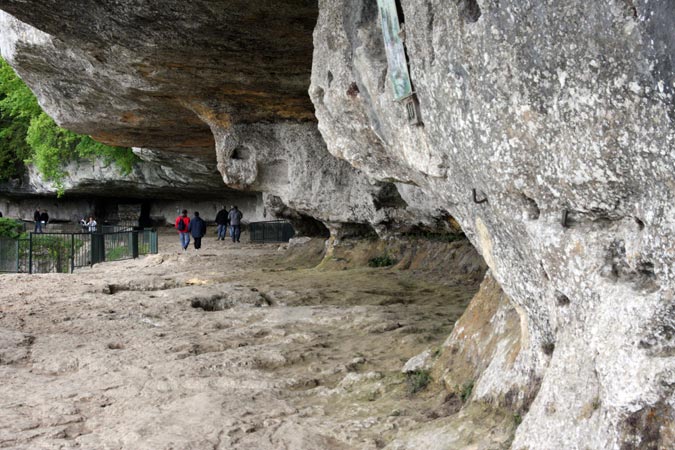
point(238, 347)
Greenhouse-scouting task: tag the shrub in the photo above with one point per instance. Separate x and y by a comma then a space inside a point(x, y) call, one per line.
point(381, 261)
point(10, 228)
point(465, 391)
point(436, 236)
point(51, 253)
point(417, 381)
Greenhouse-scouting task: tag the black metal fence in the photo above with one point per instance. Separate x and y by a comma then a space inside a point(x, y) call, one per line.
point(64, 252)
point(271, 231)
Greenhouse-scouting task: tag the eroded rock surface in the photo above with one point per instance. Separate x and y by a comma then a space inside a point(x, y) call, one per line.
point(543, 109)
point(264, 133)
point(559, 114)
point(156, 175)
point(289, 161)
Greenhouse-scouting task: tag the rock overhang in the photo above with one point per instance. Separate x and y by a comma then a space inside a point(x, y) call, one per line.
point(547, 108)
point(143, 72)
point(225, 83)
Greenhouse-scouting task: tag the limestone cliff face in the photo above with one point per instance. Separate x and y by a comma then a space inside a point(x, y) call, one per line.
point(157, 175)
point(546, 109)
point(290, 162)
point(164, 181)
point(150, 77)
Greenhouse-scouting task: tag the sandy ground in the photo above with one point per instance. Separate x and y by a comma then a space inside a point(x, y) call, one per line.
point(129, 354)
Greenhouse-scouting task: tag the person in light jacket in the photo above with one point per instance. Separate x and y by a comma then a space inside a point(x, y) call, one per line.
point(91, 225)
point(235, 223)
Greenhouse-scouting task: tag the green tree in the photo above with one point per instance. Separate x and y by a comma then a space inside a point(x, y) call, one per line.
point(14, 149)
point(17, 106)
point(16, 99)
point(10, 228)
point(28, 135)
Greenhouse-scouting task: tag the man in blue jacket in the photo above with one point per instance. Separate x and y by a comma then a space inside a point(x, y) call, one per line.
point(198, 229)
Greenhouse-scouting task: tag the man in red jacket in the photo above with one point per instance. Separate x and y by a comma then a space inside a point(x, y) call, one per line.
point(182, 225)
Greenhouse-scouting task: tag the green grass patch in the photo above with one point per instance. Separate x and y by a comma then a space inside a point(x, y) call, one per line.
point(465, 390)
point(116, 253)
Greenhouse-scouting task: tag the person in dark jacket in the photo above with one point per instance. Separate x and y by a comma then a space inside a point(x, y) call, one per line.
point(36, 219)
point(235, 223)
point(221, 221)
point(44, 220)
point(198, 229)
point(182, 224)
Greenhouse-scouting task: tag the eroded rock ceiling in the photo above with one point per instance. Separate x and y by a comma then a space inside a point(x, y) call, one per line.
point(142, 73)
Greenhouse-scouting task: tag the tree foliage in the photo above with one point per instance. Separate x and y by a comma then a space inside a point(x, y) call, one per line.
point(28, 135)
point(10, 228)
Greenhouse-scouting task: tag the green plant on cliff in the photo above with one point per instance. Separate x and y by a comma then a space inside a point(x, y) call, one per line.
point(417, 381)
point(382, 261)
point(14, 149)
point(28, 135)
point(17, 106)
point(465, 390)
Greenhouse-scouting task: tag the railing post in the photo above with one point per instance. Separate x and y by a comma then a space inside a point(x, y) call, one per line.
point(134, 244)
point(97, 248)
point(30, 252)
point(72, 253)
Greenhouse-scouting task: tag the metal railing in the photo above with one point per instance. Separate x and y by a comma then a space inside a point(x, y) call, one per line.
point(11, 251)
point(64, 252)
point(271, 231)
point(147, 242)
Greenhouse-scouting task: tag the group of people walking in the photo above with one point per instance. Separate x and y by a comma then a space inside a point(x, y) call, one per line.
point(196, 226)
point(231, 218)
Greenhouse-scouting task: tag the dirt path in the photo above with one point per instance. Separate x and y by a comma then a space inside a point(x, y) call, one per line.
point(130, 354)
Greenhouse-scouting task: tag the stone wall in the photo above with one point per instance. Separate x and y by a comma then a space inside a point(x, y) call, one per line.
point(161, 211)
